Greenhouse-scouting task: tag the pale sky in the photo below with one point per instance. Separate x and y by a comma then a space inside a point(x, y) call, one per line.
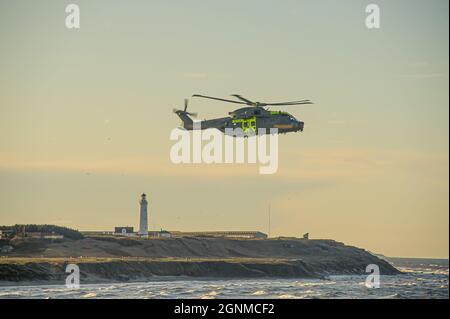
point(85, 117)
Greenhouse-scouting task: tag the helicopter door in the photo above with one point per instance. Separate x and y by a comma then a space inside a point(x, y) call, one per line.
point(245, 126)
point(253, 124)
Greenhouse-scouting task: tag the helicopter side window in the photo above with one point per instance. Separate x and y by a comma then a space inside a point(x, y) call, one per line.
point(245, 124)
point(257, 112)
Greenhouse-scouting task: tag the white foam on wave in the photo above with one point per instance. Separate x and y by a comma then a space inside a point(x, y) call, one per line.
point(287, 296)
point(259, 293)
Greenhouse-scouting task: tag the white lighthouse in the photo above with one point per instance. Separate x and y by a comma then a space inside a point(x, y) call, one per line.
point(143, 220)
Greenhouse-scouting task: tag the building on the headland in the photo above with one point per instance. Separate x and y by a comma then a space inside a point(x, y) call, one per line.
point(160, 234)
point(52, 235)
point(95, 233)
point(223, 234)
point(143, 216)
point(41, 235)
point(143, 231)
point(32, 234)
point(124, 231)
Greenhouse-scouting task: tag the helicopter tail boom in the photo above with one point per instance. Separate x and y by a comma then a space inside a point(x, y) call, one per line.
point(184, 115)
point(187, 122)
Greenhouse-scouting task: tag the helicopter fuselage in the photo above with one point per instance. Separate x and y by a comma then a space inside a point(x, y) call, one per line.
point(249, 120)
point(254, 118)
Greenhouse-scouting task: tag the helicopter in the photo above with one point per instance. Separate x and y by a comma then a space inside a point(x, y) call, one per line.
point(247, 120)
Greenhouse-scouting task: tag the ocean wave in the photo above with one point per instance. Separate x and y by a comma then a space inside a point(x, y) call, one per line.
point(410, 285)
point(259, 293)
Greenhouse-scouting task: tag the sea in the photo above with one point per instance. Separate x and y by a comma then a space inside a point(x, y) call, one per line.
point(421, 278)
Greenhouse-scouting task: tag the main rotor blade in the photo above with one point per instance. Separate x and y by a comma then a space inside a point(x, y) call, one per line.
point(218, 99)
point(243, 99)
point(289, 103)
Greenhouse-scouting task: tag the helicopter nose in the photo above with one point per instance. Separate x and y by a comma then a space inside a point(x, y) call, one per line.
point(300, 126)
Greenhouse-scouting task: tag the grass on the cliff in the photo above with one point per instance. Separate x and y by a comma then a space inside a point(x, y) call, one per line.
point(81, 260)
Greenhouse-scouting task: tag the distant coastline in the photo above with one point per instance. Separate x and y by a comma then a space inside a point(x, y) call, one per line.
point(112, 259)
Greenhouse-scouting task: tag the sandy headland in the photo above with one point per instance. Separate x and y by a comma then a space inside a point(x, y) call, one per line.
point(107, 259)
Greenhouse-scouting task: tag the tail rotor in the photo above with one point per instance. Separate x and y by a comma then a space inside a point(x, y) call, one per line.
point(184, 111)
point(187, 122)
